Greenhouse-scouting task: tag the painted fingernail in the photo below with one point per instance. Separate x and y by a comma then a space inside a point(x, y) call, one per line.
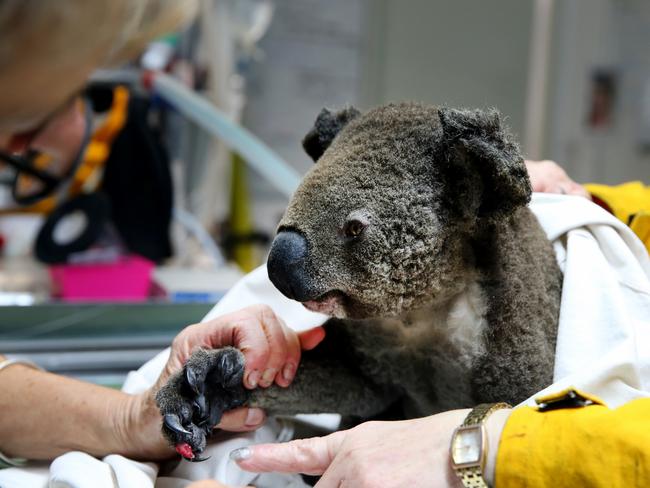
point(268, 377)
point(240, 454)
point(288, 371)
point(255, 416)
point(253, 378)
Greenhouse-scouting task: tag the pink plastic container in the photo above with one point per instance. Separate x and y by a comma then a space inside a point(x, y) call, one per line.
point(126, 280)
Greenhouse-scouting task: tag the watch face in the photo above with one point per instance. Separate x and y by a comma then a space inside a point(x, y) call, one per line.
point(467, 446)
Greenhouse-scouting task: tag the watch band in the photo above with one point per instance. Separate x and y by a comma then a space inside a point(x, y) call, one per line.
point(472, 476)
point(483, 411)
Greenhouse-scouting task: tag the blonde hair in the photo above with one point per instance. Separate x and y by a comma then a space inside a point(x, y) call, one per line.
point(39, 35)
point(157, 17)
point(66, 29)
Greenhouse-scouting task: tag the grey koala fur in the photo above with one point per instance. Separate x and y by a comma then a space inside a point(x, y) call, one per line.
point(412, 232)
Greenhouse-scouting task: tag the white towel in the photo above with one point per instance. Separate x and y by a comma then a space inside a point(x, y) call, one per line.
point(603, 342)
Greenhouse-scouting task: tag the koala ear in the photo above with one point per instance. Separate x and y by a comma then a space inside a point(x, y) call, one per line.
point(328, 124)
point(494, 154)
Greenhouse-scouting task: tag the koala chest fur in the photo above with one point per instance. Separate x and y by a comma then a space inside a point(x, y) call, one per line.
point(429, 354)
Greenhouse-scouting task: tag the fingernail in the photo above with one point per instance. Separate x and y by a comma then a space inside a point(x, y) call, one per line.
point(240, 454)
point(255, 416)
point(288, 371)
point(253, 378)
point(268, 377)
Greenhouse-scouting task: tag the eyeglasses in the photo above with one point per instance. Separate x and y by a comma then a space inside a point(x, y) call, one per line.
point(37, 174)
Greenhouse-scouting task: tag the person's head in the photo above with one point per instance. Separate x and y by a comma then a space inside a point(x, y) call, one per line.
point(49, 48)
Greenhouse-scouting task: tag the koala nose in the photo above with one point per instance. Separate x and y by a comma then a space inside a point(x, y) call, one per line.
point(286, 265)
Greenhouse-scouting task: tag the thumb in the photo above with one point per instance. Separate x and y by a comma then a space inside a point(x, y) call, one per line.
point(309, 456)
point(309, 339)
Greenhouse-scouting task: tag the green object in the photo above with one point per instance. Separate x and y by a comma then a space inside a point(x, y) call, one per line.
point(67, 321)
point(241, 222)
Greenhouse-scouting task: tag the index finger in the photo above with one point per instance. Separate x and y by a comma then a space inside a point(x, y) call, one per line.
point(309, 456)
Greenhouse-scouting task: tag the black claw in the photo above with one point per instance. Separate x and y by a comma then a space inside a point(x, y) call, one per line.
point(173, 423)
point(197, 459)
point(201, 406)
point(229, 370)
point(215, 416)
point(193, 380)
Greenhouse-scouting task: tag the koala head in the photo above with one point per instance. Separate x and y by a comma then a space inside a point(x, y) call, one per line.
point(386, 220)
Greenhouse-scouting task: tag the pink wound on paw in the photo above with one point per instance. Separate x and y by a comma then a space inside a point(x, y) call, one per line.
point(185, 450)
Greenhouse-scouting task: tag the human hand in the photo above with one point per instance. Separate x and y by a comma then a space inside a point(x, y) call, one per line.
point(272, 354)
point(271, 349)
point(412, 453)
point(549, 177)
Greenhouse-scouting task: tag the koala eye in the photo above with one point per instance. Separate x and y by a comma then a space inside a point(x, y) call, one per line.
point(353, 228)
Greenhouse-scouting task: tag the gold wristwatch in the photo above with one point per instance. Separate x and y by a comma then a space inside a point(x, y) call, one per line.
point(469, 446)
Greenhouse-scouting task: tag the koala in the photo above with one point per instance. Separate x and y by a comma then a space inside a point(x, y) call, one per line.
point(412, 233)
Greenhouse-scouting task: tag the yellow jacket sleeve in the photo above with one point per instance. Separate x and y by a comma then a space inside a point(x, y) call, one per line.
point(629, 202)
point(590, 446)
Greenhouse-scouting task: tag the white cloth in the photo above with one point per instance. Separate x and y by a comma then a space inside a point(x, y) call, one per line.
point(603, 344)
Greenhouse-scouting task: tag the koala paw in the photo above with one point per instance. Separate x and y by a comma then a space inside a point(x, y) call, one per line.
point(194, 399)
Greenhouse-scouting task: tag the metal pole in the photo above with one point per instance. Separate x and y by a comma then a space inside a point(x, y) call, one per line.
point(537, 87)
